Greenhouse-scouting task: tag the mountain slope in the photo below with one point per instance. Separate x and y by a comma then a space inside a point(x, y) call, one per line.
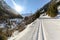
point(7, 10)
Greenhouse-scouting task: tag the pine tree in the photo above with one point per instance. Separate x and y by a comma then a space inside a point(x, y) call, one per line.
point(52, 10)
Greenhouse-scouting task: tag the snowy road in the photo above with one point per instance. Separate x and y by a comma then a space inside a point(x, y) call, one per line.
point(40, 29)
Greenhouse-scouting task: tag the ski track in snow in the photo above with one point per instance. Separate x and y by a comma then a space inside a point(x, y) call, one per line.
point(40, 29)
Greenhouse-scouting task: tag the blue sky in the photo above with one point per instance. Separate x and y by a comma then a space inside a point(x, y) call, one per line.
point(30, 6)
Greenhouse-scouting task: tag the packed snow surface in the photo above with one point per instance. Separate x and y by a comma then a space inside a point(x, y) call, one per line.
point(40, 29)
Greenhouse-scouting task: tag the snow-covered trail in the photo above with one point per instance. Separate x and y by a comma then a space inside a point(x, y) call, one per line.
point(40, 29)
point(32, 32)
point(52, 29)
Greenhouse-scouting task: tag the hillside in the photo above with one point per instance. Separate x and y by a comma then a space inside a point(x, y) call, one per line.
point(7, 12)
